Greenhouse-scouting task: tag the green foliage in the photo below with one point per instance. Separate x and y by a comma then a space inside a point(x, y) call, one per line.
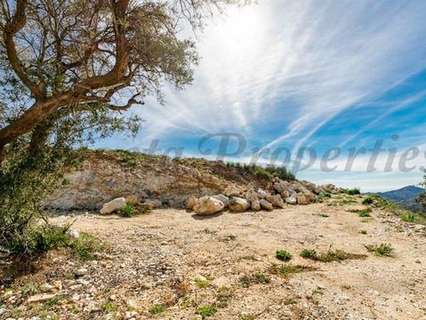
point(330, 255)
point(109, 307)
point(206, 311)
point(202, 283)
point(381, 250)
point(266, 173)
point(128, 211)
point(309, 254)
point(363, 213)
point(289, 269)
point(85, 246)
point(283, 255)
point(257, 278)
point(409, 217)
point(352, 191)
point(157, 309)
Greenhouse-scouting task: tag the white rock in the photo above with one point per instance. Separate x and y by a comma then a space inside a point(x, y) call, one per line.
point(113, 205)
point(75, 234)
point(208, 206)
point(291, 200)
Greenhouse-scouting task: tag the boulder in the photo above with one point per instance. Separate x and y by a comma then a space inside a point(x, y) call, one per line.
point(302, 199)
point(311, 187)
point(255, 205)
point(238, 204)
point(266, 205)
point(232, 191)
point(281, 186)
point(191, 202)
point(291, 200)
point(113, 206)
point(208, 206)
point(276, 201)
point(262, 193)
point(222, 198)
point(151, 204)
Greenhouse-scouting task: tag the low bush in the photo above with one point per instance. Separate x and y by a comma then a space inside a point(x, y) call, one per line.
point(283, 255)
point(381, 250)
point(352, 191)
point(330, 255)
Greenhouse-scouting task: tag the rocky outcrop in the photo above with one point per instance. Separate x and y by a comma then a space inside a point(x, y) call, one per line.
point(266, 205)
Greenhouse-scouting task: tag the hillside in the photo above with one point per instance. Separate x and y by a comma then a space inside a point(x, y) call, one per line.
point(272, 248)
point(405, 197)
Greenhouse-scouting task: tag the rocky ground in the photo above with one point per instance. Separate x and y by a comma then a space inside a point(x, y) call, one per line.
point(172, 264)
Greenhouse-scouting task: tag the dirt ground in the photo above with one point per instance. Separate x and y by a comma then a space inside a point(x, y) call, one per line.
point(170, 264)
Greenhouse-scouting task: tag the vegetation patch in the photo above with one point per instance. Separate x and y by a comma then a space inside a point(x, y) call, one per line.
point(283, 255)
point(381, 250)
point(206, 311)
point(352, 191)
point(330, 255)
point(157, 309)
point(289, 269)
point(257, 278)
point(363, 213)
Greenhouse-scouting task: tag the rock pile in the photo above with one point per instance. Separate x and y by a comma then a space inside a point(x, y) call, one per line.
point(237, 200)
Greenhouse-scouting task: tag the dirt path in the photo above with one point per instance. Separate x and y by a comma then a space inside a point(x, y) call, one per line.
point(169, 264)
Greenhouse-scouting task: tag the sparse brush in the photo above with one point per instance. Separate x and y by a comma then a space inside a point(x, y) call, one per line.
point(206, 311)
point(157, 309)
point(283, 255)
point(288, 269)
point(381, 250)
point(352, 192)
point(409, 217)
point(257, 278)
point(363, 213)
point(330, 255)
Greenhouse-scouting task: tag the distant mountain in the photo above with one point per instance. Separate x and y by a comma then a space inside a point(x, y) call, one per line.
point(406, 197)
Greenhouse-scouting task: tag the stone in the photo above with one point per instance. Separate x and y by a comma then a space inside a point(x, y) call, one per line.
point(46, 288)
point(132, 199)
point(261, 193)
point(232, 191)
point(238, 204)
point(130, 315)
point(291, 200)
point(302, 199)
point(223, 198)
point(41, 297)
point(191, 202)
point(208, 206)
point(74, 234)
point(255, 205)
point(114, 205)
point(276, 201)
point(266, 205)
point(81, 272)
point(152, 204)
point(281, 186)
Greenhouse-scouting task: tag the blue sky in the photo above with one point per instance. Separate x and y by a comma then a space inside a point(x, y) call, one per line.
point(305, 74)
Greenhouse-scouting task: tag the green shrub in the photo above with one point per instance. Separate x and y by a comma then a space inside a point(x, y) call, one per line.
point(157, 309)
point(381, 250)
point(409, 217)
point(128, 211)
point(85, 246)
point(363, 213)
point(288, 269)
point(352, 191)
point(330, 255)
point(283, 255)
point(257, 278)
point(309, 254)
point(206, 311)
point(368, 201)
